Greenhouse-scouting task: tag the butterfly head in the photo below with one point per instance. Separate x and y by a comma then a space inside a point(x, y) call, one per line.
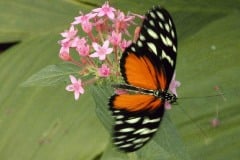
point(172, 98)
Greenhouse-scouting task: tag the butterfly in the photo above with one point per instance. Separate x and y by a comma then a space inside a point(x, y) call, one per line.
point(147, 67)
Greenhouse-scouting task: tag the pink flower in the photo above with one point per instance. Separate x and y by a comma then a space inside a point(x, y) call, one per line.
point(83, 18)
point(115, 38)
point(104, 71)
point(121, 22)
point(83, 50)
point(120, 91)
point(100, 25)
point(215, 122)
point(66, 43)
point(124, 44)
point(64, 54)
point(167, 105)
point(101, 51)
point(69, 34)
point(87, 27)
point(105, 10)
point(174, 84)
point(75, 87)
point(76, 42)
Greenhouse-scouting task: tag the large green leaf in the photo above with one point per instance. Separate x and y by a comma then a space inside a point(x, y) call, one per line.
point(46, 123)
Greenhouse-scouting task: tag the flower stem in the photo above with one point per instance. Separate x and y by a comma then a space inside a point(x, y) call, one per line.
point(108, 62)
point(116, 54)
point(90, 35)
point(91, 62)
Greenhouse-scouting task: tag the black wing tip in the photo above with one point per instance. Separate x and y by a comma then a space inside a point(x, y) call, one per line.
point(127, 51)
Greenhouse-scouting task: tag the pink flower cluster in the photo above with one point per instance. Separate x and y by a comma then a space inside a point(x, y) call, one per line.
point(99, 50)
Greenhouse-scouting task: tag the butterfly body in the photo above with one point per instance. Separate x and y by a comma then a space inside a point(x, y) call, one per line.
point(147, 67)
point(157, 93)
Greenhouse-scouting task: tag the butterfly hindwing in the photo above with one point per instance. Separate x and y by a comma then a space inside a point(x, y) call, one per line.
point(132, 130)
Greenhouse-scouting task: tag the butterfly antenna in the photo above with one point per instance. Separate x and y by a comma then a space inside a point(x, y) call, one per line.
point(208, 96)
point(216, 88)
point(196, 124)
point(219, 94)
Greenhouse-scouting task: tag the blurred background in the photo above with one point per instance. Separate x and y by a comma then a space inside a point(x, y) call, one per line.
point(39, 123)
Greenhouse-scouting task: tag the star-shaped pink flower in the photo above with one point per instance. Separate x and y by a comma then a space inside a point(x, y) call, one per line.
point(105, 10)
point(64, 54)
point(115, 38)
point(101, 51)
point(174, 85)
point(75, 87)
point(69, 34)
point(83, 18)
point(104, 71)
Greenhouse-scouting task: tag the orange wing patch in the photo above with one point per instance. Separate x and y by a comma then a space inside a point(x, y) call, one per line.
point(140, 72)
point(136, 102)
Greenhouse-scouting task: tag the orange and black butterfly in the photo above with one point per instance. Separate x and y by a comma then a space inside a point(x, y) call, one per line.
point(147, 67)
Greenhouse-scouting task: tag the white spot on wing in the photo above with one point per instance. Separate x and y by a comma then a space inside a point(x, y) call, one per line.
point(119, 122)
point(160, 15)
point(133, 49)
point(152, 15)
point(160, 25)
point(152, 23)
point(133, 120)
point(125, 145)
point(167, 27)
point(141, 37)
point(152, 34)
point(116, 111)
point(174, 48)
point(141, 140)
point(170, 23)
point(147, 120)
point(165, 56)
point(119, 117)
point(144, 131)
point(119, 142)
point(131, 139)
point(126, 130)
point(139, 145)
point(166, 40)
point(152, 47)
point(121, 137)
point(139, 43)
point(169, 42)
point(172, 33)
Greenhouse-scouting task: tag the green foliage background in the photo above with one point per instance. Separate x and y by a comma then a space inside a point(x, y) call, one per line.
point(46, 123)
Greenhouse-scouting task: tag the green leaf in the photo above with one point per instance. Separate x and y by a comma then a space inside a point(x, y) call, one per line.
point(51, 75)
point(208, 55)
point(101, 95)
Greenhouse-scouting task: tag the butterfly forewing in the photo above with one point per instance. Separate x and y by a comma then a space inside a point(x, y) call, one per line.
point(149, 64)
point(158, 35)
